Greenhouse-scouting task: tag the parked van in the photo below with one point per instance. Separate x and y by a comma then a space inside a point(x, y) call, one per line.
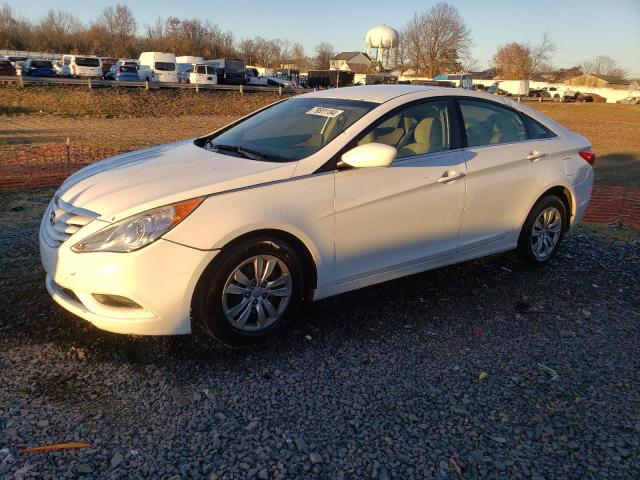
point(158, 67)
point(83, 65)
point(203, 75)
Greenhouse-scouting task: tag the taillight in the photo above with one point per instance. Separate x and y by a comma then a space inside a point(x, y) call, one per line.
point(588, 155)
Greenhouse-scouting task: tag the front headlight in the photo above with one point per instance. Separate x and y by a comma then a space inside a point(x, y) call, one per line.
point(139, 230)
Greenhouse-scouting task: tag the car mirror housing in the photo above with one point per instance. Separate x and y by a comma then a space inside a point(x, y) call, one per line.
point(370, 155)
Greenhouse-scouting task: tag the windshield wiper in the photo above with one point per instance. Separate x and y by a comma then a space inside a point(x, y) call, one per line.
point(245, 152)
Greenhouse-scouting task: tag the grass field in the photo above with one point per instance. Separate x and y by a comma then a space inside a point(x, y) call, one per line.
point(126, 120)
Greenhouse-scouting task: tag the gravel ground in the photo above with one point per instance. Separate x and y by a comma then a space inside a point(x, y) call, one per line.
point(440, 375)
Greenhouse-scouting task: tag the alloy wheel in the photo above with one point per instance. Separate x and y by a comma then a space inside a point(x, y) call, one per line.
point(546, 232)
point(257, 293)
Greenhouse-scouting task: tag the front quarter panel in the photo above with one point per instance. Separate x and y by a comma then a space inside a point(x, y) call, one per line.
point(301, 206)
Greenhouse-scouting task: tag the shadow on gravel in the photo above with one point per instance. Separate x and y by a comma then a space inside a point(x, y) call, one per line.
point(445, 302)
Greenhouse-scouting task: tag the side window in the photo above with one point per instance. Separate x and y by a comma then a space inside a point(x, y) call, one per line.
point(490, 124)
point(415, 130)
point(536, 130)
point(201, 69)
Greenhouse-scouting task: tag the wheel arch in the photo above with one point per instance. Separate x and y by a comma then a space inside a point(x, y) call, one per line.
point(562, 192)
point(309, 265)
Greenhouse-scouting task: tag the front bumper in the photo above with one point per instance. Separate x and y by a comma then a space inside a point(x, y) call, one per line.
point(159, 278)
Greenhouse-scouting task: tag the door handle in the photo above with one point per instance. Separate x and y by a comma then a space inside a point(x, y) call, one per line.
point(450, 176)
point(535, 156)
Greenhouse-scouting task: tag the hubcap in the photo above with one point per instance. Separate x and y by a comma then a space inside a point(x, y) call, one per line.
point(257, 293)
point(545, 234)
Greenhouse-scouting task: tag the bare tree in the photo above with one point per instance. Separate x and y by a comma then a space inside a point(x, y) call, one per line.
point(298, 57)
point(57, 31)
point(603, 65)
point(540, 54)
point(15, 32)
point(513, 61)
point(120, 28)
point(324, 53)
point(437, 39)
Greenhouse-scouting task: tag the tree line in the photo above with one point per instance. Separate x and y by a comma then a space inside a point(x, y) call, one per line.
point(432, 42)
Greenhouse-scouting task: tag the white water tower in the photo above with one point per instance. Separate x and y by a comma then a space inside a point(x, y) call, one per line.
point(383, 40)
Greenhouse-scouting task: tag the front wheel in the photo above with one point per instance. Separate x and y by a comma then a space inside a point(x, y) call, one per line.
point(250, 292)
point(543, 230)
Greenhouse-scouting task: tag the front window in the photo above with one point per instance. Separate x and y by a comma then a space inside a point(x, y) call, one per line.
point(414, 130)
point(165, 66)
point(291, 130)
point(87, 62)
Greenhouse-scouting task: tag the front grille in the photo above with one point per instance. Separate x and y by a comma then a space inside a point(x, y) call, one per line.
point(63, 220)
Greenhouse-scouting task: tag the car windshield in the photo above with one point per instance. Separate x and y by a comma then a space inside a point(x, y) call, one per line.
point(290, 130)
point(87, 62)
point(165, 66)
point(40, 64)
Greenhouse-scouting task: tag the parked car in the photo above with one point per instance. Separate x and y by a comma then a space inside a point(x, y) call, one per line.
point(255, 79)
point(550, 92)
point(158, 67)
point(630, 101)
point(570, 96)
point(203, 75)
point(83, 66)
point(61, 69)
point(126, 73)
point(7, 68)
point(310, 197)
point(38, 68)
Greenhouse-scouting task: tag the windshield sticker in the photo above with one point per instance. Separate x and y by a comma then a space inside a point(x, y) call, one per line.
point(325, 112)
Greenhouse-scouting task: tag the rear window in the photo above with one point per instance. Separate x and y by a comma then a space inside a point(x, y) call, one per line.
point(87, 62)
point(41, 64)
point(487, 123)
point(165, 66)
point(128, 69)
point(5, 63)
point(536, 130)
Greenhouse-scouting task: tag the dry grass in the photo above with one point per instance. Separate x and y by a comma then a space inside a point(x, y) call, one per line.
point(123, 102)
point(130, 119)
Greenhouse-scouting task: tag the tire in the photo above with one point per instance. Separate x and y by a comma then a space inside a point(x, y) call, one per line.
point(212, 307)
point(546, 223)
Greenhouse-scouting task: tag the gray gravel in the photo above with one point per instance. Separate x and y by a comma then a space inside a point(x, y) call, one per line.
point(381, 383)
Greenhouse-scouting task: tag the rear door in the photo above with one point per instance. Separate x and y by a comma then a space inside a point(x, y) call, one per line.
point(504, 170)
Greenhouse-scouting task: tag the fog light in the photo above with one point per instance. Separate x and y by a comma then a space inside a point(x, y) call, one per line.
point(115, 301)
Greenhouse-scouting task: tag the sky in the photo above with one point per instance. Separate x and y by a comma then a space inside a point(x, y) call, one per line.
point(581, 29)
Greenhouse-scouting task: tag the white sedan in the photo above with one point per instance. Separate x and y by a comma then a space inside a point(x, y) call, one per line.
point(309, 197)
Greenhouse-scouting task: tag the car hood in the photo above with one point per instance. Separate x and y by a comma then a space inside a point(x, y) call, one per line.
point(137, 181)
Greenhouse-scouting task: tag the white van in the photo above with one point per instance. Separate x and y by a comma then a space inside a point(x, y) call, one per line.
point(83, 65)
point(189, 59)
point(202, 74)
point(158, 67)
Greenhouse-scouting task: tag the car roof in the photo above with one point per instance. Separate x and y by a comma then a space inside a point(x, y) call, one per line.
point(371, 93)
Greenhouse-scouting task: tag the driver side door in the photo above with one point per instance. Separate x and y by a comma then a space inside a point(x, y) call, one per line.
point(410, 212)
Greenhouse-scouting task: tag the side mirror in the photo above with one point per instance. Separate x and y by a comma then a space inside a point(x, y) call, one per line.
point(370, 155)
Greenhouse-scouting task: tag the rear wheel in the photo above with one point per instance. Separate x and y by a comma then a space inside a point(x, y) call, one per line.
point(250, 292)
point(543, 230)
